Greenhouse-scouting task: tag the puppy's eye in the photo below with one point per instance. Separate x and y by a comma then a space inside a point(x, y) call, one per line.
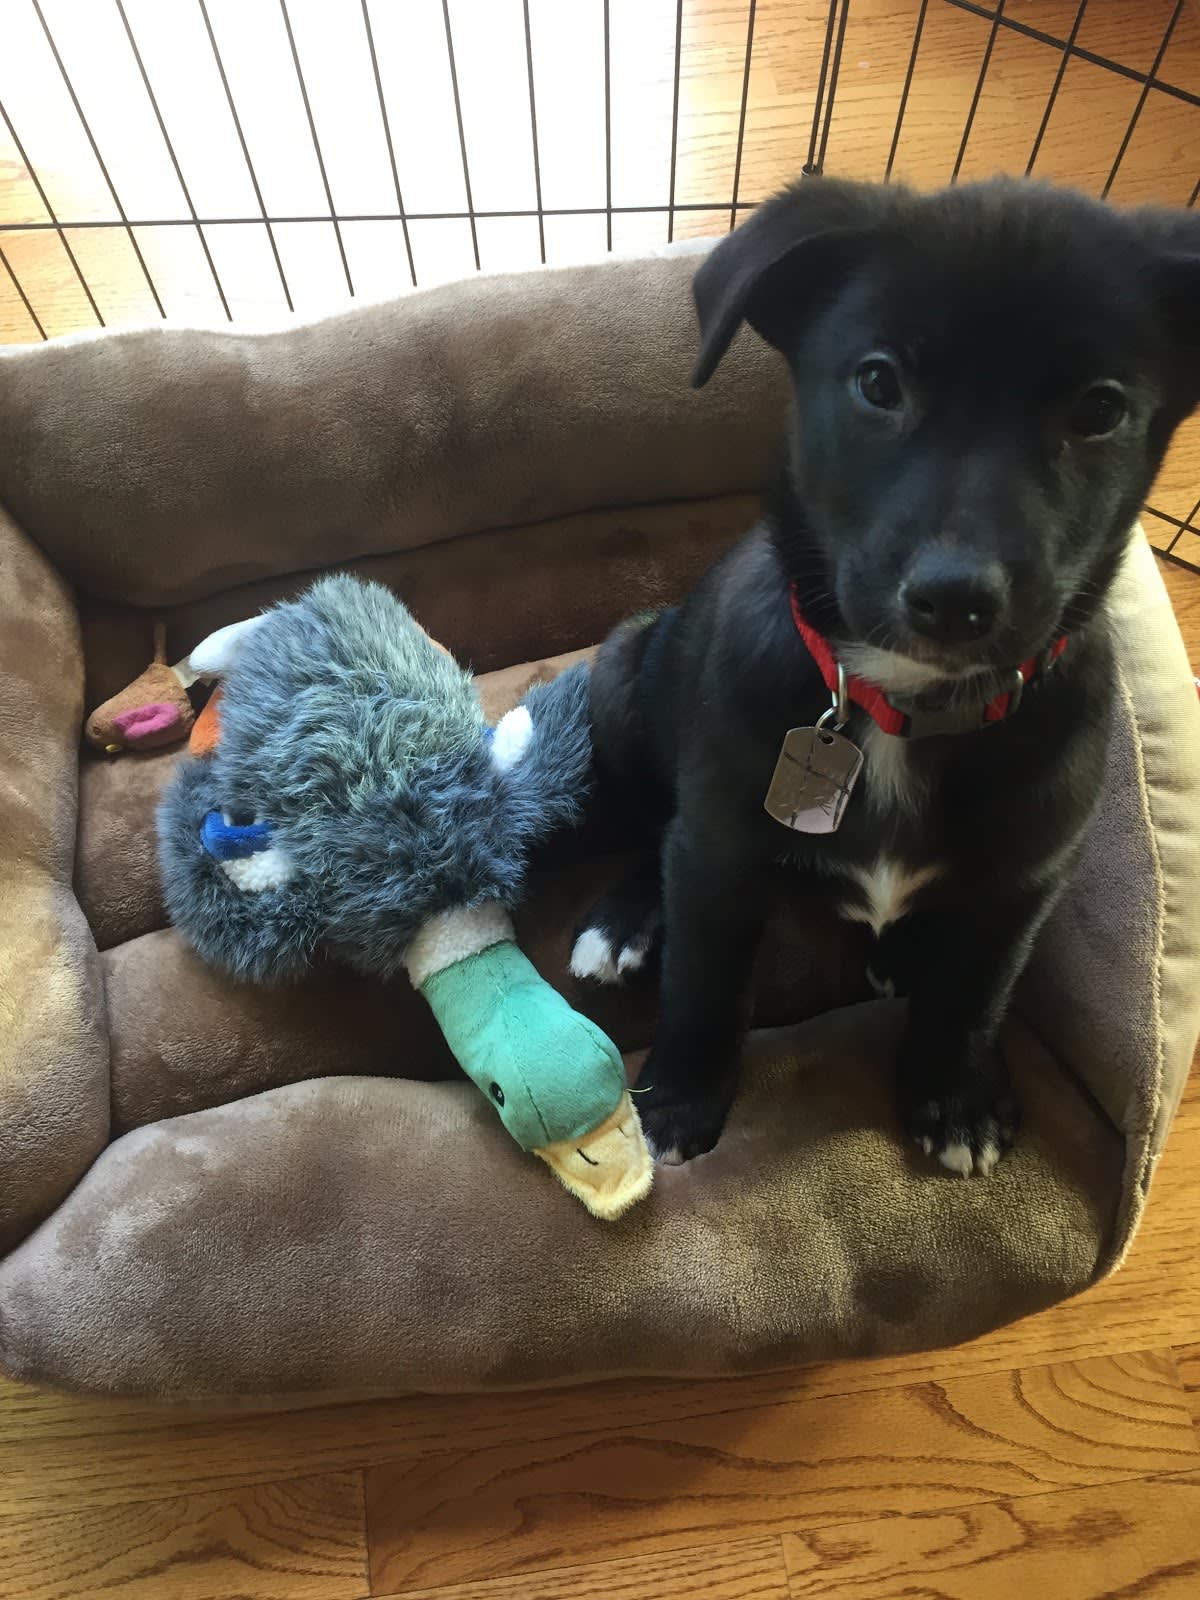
point(878, 382)
point(1098, 411)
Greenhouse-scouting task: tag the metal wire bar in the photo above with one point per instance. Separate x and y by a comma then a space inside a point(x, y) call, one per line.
point(1178, 561)
point(834, 71)
point(316, 144)
point(237, 124)
point(1180, 529)
point(997, 18)
point(462, 136)
point(1063, 59)
point(379, 216)
point(675, 122)
point(162, 128)
point(810, 166)
point(91, 139)
point(391, 149)
point(533, 134)
point(1195, 193)
point(54, 223)
point(908, 78)
point(1096, 60)
point(1177, 522)
point(741, 138)
point(608, 200)
point(25, 301)
point(1142, 98)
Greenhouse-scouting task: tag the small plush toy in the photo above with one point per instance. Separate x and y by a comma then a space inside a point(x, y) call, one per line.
point(355, 802)
point(153, 711)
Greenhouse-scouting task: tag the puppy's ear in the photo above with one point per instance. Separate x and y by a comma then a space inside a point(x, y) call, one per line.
point(772, 270)
point(1178, 296)
point(1173, 285)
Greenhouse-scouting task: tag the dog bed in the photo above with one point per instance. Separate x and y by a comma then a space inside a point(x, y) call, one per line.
point(210, 1190)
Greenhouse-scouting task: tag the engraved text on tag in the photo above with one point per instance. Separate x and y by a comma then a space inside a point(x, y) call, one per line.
point(814, 777)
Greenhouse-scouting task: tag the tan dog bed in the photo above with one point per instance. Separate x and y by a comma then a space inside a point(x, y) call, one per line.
point(208, 1190)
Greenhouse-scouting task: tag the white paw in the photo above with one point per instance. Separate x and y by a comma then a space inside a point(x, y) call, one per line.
point(670, 1157)
point(511, 738)
point(969, 1131)
point(592, 957)
point(885, 988)
point(961, 1159)
point(633, 956)
point(958, 1158)
point(987, 1159)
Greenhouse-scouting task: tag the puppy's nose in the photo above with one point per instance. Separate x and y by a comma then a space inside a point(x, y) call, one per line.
point(951, 599)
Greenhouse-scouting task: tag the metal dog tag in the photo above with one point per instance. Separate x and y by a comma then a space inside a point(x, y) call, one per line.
point(816, 771)
point(814, 779)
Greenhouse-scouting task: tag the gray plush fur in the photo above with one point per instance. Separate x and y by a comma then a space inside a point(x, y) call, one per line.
point(366, 748)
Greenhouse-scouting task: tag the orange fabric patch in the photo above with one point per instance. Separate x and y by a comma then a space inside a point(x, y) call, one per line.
point(206, 730)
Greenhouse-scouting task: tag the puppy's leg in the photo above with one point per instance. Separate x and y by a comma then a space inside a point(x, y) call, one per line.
point(714, 908)
point(618, 935)
point(955, 1098)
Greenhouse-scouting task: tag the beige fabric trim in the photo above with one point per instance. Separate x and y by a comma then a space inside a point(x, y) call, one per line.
point(1140, 1155)
point(454, 935)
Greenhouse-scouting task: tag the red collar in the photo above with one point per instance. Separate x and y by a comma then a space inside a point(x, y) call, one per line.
point(909, 718)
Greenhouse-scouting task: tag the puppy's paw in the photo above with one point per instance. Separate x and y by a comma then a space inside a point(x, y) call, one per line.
point(593, 957)
point(968, 1129)
point(679, 1128)
point(617, 938)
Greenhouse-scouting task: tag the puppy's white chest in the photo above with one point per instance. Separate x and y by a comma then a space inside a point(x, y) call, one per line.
point(892, 784)
point(888, 887)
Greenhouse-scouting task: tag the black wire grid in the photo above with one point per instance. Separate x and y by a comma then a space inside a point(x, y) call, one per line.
point(818, 149)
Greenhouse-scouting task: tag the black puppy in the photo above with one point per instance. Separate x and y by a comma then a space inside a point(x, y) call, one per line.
point(985, 381)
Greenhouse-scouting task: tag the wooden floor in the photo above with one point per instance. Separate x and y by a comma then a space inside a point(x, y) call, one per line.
point(1059, 1458)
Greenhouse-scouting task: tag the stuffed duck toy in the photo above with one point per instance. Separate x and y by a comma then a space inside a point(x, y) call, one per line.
point(348, 798)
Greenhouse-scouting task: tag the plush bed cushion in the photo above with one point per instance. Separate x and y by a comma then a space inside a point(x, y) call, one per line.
point(53, 1033)
point(365, 1235)
point(209, 461)
point(287, 1233)
point(497, 449)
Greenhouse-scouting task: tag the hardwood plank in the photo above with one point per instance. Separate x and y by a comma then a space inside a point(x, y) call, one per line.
point(466, 1517)
point(1159, 532)
point(1187, 1361)
point(301, 1540)
point(1184, 588)
point(747, 1569)
point(1177, 487)
point(1139, 1538)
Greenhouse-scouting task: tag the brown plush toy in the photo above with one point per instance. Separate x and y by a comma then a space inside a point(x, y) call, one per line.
point(152, 712)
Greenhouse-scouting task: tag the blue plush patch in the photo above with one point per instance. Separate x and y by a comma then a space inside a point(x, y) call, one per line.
point(231, 841)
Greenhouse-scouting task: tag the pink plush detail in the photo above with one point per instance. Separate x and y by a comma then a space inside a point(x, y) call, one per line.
point(145, 721)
